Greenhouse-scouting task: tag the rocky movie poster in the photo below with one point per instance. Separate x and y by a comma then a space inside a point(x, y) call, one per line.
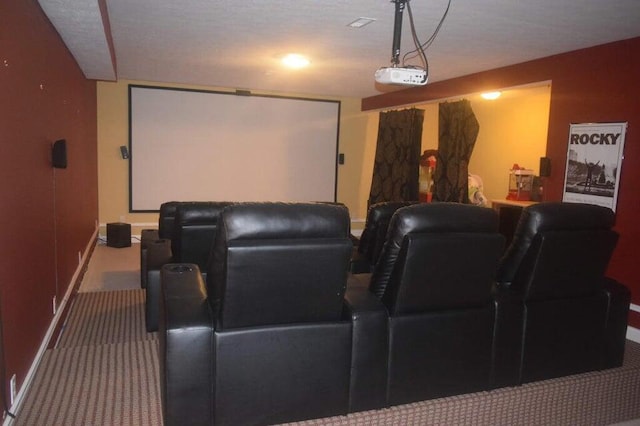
point(594, 159)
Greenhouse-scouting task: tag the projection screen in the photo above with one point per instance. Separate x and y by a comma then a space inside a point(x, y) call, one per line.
point(189, 145)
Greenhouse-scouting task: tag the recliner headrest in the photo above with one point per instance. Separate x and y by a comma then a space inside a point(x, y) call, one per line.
point(386, 209)
point(169, 208)
point(375, 229)
point(284, 220)
point(441, 217)
point(201, 212)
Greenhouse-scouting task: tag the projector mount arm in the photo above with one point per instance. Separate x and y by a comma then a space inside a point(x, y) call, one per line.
point(397, 32)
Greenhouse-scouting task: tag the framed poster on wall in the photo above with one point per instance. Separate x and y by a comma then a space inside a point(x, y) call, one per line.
point(594, 158)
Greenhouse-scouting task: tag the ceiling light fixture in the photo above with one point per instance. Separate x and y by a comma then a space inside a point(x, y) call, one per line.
point(295, 61)
point(360, 22)
point(491, 95)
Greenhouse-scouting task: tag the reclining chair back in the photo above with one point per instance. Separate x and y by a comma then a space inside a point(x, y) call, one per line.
point(556, 265)
point(277, 263)
point(375, 232)
point(559, 250)
point(167, 219)
point(276, 283)
point(194, 230)
point(151, 236)
point(435, 275)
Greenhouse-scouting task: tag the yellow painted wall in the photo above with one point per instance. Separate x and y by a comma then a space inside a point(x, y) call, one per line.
point(513, 129)
point(113, 171)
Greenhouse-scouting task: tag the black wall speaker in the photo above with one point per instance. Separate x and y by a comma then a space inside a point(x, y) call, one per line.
point(124, 152)
point(545, 166)
point(59, 154)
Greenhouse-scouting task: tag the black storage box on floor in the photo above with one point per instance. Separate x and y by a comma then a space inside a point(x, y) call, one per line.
point(118, 235)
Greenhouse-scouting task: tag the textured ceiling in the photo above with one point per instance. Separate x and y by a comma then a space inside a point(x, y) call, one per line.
point(237, 43)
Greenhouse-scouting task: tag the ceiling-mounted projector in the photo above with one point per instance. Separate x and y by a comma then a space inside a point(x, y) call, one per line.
point(401, 76)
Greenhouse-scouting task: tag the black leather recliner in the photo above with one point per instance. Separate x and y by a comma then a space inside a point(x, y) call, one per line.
point(194, 228)
point(149, 236)
point(562, 315)
point(374, 235)
point(435, 276)
point(266, 339)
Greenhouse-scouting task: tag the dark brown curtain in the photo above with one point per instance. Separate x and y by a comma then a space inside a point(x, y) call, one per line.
point(397, 162)
point(458, 129)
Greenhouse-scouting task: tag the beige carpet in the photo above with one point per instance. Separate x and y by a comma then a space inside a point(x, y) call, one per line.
point(110, 384)
point(104, 370)
point(105, 317)
point(112, 269)
point(597, 398)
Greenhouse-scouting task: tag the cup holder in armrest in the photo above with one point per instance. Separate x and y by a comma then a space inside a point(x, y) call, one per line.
point(180, 269)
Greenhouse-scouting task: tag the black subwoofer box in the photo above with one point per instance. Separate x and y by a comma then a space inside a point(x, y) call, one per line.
point(119, 234)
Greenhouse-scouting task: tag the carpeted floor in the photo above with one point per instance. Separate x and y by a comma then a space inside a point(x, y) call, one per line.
point(104, 370)
point(597, 398)
point(106, 317)
point(112, 269)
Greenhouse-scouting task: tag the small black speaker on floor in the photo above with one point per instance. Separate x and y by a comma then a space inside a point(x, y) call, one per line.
point(59, 154)
point(119, 234)
point(545, 166)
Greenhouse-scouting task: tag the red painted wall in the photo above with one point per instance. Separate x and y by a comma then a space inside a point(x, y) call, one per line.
point(48, 215)
point(598, 84)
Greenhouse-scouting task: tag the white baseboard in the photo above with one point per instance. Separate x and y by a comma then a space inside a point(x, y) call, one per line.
point(633, 334)
point(15, 407)
point(102, 240)
point(150, 225)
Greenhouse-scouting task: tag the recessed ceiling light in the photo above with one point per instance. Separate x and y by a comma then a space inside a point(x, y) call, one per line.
point(360, 22)
point(295, 61)
point(491, 95)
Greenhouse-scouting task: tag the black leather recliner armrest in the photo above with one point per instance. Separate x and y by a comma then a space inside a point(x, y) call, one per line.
point(186, 346)
point(507, 338)
point(616, 329)
point(370, 347)
point(158, 254)
point(146, 237)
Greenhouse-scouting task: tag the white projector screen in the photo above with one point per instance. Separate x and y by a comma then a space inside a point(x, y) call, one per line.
point(188, 145)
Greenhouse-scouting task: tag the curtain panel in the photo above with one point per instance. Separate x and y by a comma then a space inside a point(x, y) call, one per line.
point(397, 161)
point(458, 130)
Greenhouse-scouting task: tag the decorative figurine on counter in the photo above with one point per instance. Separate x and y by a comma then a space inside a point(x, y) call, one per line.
point(476, 191)
point(428, 161)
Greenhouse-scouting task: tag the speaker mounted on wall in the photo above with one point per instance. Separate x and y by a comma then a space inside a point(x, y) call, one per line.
point(59, 154)
point(545, 166)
